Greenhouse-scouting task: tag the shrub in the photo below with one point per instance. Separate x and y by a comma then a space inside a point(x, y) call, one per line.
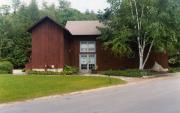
point(44, 73)
point(174, 60)
point(68, 70)
point(174, 70)
point(6, 67)
point(129, 73)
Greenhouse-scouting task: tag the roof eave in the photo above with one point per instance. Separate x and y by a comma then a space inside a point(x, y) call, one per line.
point(41, 20)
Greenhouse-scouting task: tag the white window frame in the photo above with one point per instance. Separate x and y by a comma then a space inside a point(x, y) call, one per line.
point(87, 42)
point(87, 62)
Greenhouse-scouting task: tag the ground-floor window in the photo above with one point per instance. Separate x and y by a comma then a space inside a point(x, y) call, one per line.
point(87, 62)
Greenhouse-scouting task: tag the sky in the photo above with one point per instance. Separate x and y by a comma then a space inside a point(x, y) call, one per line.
point(81, 5)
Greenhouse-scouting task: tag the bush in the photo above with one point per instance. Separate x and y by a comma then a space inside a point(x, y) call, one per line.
point(129, 73)
point(68, 70)
point(174, 70)
point(44, 73)
point(174, 60)
point(6, 67)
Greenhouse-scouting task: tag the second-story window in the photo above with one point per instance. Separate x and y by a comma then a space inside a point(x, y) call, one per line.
point(88, 46)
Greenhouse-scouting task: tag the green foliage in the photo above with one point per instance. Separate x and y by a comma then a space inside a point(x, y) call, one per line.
point(149, 21)
point(68, 70)
point(174, 60)
point(6, 67)
point(4, 9)
point(174, 70)
point(129, 73)
point(63, 4)
point(44, 73)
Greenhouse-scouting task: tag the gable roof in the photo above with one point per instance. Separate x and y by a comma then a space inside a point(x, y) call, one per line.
point(84, 27)
point(45, 19)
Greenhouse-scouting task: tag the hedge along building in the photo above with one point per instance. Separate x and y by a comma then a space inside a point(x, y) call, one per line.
point(77, 44)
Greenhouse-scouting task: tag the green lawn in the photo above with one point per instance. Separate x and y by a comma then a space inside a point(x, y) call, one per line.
point(13, 88)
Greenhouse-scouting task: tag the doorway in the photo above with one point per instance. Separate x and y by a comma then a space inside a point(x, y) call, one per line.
point(87, 62)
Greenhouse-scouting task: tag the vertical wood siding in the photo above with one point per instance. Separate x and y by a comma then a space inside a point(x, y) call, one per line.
point(47, 46)
point(67, 49)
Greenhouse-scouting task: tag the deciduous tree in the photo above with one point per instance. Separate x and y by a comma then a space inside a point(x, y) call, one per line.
point(148, 24)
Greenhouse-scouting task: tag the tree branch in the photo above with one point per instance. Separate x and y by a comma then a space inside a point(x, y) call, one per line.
point(150, 48)
point(132, 13)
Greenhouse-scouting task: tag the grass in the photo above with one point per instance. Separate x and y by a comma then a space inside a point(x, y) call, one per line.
point(129, 73)
point(14, 88)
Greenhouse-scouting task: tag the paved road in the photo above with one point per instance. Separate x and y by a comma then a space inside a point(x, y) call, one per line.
point(156, 96)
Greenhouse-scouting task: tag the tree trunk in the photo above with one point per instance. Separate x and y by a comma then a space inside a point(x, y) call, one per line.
point(142, 61)
point(141, 58)
point(142, 41)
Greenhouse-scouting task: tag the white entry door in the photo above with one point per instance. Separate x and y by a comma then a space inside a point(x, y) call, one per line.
point(87, 62)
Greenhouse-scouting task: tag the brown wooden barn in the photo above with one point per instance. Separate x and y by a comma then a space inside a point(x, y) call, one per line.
point(54, 46)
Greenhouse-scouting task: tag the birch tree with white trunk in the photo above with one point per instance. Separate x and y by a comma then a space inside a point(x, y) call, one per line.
point(144, 23)
point(142, 37)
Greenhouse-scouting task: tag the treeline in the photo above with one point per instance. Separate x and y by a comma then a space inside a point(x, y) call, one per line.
point(16, 18)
